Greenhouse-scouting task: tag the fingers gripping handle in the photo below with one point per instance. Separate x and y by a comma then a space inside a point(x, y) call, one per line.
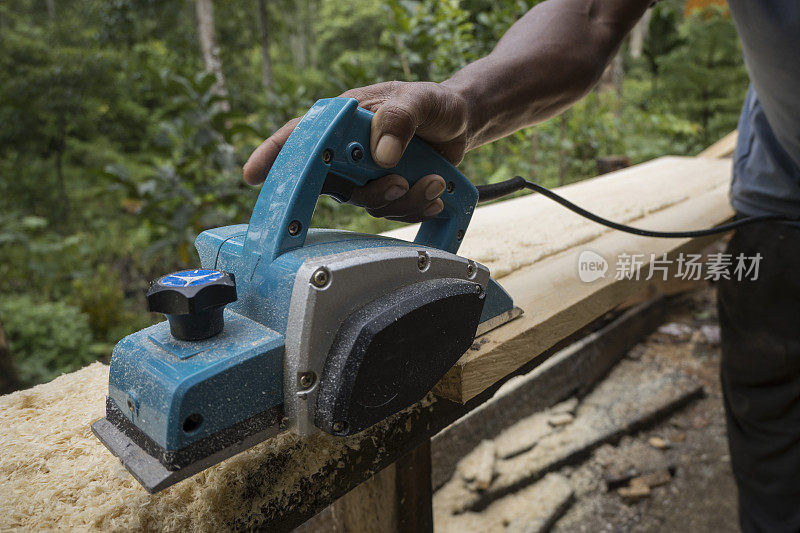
point(333, 138)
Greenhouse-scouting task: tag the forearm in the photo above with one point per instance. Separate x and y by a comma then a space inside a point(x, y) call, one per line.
point(545, 62)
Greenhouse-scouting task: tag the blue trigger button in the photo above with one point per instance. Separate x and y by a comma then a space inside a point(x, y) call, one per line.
point(193, 301)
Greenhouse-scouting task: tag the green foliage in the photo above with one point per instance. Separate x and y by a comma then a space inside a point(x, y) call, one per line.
point(703, 79)
point(101, 297)
point(189, 179)
point(662, 35)
point(649, 127)
point(29, 246)
point(50, 95)
point(47, 339)
point(433, 38)
point(353, 61)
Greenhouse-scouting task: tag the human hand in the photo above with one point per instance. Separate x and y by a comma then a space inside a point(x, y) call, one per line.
point(435, 112)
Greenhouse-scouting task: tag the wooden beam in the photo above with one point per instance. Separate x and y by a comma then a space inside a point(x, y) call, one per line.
point(668, 193)
point(562, 304)
point(722, 148)
point(414, 490)
point(58, 475)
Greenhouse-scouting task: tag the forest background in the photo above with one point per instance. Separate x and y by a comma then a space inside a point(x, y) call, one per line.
point(124, 125)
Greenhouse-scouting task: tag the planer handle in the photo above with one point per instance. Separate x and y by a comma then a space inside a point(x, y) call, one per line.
point(329, 153)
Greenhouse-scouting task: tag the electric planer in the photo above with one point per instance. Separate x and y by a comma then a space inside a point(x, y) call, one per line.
point(286, 328)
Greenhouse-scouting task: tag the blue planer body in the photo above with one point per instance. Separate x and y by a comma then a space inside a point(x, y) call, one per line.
point(289, 328)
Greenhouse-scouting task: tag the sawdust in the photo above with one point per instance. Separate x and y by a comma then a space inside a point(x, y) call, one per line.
point(513, 234)
point(523, 435)
point(633, 393)
point(54, 473)
point(477, 468)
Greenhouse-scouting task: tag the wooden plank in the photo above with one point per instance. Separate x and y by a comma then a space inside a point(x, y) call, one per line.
point(275, 486)
point(562, 305)
point(722, 148)
point(368, 507)
point(509, 235)
point(557, 303)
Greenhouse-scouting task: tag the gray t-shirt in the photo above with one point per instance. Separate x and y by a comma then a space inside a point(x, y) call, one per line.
point(766, 172)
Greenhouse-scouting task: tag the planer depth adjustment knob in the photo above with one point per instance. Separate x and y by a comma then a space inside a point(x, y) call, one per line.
point(193, 301)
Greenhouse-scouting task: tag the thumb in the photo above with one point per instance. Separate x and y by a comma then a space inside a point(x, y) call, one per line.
point(426, 108)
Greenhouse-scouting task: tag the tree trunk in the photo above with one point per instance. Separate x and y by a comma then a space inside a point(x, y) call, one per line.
point(639, 34)
point(9, 381)
point(208, 45)
point(311, 10)
point(298, 40)
point(51, 9)
point(618, 64)
point(263, 31)
point(62, 185)
point(613, 75)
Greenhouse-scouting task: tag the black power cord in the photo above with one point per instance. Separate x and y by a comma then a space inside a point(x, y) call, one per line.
point(518, 183)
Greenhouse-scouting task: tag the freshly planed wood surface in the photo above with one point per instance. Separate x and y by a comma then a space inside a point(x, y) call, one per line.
point(669, 193)
point(722, 148)
point(561, 304)
point(55, 474)
point(510, 235)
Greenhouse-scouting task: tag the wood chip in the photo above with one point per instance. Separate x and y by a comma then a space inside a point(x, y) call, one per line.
point(615, 479)
point(711, 334)
point(561, 419)
point(567, 406)
point(637, 490)
point(676, 330)
point(477, 468)
point(654, 479)
point(522, 436)
point(658, 442)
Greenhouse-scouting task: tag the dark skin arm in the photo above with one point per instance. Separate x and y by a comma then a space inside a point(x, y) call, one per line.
point(546, 61)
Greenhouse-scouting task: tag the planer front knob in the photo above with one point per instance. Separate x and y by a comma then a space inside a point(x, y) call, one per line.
point(193, 301)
